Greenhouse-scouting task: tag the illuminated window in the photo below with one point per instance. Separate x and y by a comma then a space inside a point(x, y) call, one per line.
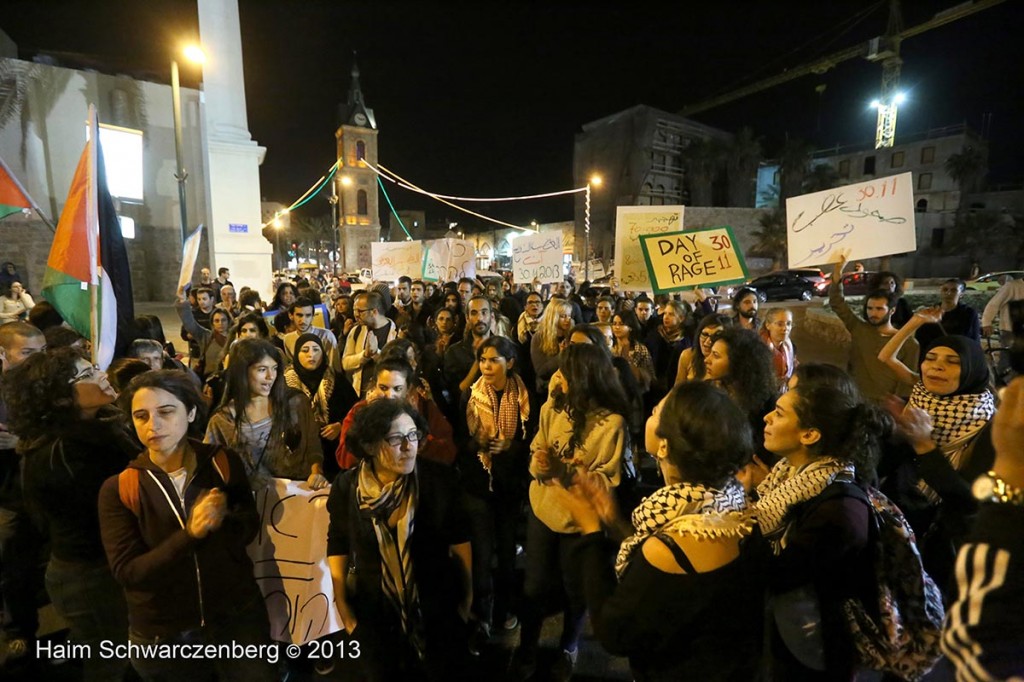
point(360, 150)
point(927, 154)
point(127, 226)
point(122, 159)
point(924, 181)
point(361, 208)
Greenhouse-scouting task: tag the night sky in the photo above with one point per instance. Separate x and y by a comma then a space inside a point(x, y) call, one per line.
point(485, 98)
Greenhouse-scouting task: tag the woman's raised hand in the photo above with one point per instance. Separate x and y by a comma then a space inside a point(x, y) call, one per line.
point(207, 514)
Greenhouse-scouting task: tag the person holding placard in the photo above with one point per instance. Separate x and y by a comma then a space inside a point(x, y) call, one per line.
point(869, 336)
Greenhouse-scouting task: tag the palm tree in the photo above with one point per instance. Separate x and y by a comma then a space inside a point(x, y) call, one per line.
point(314, 232)
point(771, 238)
point(967, 169)
point(742, 156)
point(702, 160)
point(796, 157)
point(821, 177)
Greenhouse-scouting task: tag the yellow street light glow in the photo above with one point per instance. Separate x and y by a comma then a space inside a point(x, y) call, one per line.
point(194, 54)
point(277, 223)
point(595, 180)
point(346, 180)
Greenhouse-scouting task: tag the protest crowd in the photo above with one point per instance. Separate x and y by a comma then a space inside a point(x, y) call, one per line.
point(664, 472)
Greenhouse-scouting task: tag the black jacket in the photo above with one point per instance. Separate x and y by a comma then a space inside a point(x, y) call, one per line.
point(174, 582)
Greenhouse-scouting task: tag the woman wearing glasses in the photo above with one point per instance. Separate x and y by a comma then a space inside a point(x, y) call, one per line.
point(693, 360)
point(404, 596)
point(72, 440)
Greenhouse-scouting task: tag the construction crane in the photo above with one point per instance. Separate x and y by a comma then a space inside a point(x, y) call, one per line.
point(884, 49)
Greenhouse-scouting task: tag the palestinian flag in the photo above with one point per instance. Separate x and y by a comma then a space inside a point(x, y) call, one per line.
point(12, 198)
point(87, 276)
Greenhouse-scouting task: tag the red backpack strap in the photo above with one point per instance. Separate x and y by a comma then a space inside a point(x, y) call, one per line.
point(128, 489)
point(222, 464)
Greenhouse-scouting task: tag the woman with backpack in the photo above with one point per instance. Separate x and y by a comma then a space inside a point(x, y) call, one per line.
point(175, 525)
point(685, 599)
point(817, 527)
point(268, 424)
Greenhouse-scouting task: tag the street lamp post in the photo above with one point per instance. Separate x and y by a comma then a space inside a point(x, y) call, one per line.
point(278, 224)
point(595, 180)
point(339, 219)
point(194, 54)
point(333, 199)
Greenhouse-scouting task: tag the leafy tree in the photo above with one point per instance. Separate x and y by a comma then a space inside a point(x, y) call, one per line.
point(702, 161)
point(979, 233)
point(967, 168)
point(821, 177)
point(771, 237)
point(742, 156)
point(794, 163)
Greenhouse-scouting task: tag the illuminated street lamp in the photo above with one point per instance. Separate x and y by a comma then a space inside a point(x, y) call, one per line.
point(594, 181)
point(194, 54)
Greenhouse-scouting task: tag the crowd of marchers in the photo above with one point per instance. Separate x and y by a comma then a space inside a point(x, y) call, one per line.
point(496, 453)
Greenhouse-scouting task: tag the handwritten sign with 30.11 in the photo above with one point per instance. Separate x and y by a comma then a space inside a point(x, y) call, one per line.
point(683, 260)
point(870, 219)
point(537, 257)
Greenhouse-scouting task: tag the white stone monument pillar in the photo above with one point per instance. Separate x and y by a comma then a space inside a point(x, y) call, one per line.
point(231, 158)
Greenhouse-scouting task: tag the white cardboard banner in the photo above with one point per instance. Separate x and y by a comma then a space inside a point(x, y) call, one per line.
point(630, 223)
point(189, 256)
point(391, 260)
point(537, 256)
point(447, 260)
point(290, 560)
point(871, 219)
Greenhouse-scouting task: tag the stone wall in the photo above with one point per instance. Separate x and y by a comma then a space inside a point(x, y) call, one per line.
point(154, 256)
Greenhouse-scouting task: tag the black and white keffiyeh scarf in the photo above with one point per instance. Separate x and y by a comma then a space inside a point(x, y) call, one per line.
point(786, 486)
point(955, 418)
point(689, 510)
point(378, 502)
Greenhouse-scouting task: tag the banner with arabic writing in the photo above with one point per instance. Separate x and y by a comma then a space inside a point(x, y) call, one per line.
point(871, 219)
point(537, 257)
point(632, 222)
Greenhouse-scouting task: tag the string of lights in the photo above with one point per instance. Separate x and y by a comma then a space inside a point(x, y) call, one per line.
point(445, 201)
point(402, 183)
point(393, 211)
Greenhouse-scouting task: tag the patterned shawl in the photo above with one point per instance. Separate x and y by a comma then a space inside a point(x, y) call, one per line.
point(689, 510)
point(955, 418)
point(486, 417)
point(786, 486)
point(318, 400)
point(378, 502)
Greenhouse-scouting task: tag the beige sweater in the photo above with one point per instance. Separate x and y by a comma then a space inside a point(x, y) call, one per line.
point(604, 443)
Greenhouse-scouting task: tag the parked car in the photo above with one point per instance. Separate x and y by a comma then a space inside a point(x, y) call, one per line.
point(994, 280)
point(779, 286)
point(854, 283)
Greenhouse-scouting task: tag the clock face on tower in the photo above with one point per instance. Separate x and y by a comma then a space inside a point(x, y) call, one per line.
point(360, 119)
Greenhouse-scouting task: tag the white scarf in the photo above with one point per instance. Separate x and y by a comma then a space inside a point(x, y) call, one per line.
point(397, 575)
point(689, 510)
point(786, 486)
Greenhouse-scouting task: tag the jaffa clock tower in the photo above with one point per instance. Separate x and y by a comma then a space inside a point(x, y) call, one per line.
point(354, 184)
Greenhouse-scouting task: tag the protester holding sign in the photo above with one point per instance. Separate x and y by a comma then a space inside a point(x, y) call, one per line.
point(175, 526)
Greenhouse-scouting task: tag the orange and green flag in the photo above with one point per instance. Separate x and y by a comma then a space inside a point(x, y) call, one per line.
point(12, 197)
point(87, 275)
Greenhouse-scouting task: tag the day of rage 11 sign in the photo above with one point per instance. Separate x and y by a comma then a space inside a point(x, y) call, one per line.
point(630, 223)
point(391, 260)
point(290, 561)
point(446, 260)
point(870, 219)
point(537, 256)
point(683, 260)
